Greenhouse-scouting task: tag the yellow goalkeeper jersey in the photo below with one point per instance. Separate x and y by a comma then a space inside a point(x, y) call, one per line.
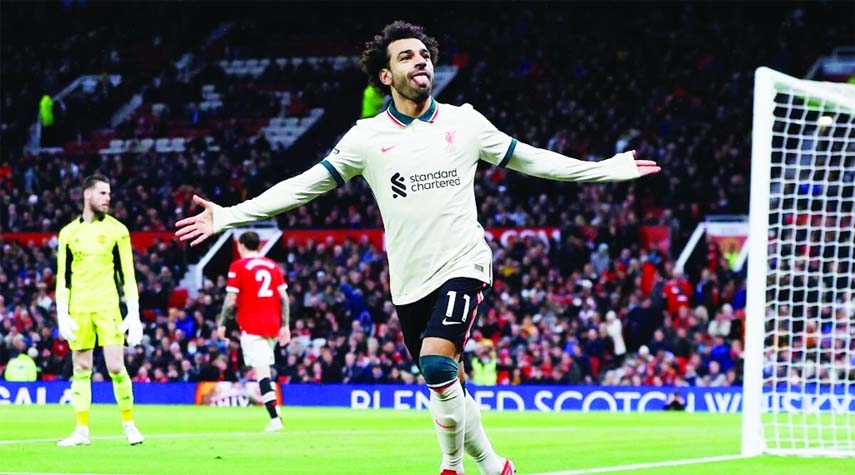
point(93, 261)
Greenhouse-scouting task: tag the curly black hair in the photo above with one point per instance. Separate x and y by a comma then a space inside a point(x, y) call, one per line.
point(376, 57)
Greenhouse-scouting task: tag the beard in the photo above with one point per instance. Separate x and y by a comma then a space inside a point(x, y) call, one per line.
point(98, 211)
point(403, 84)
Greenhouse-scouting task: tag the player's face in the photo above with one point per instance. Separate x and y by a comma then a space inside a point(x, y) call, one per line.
point(98, 197)
point(410, 69)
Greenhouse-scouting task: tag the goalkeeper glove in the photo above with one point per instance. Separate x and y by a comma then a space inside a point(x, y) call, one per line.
point(67, 326)
point(132, 324)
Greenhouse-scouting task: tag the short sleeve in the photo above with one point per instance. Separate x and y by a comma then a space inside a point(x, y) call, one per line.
point(494, 146)
point(346, 159)
point(233, 284)
point(280, 280)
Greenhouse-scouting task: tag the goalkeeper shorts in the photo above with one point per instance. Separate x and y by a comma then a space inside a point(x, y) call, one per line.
point(103, 324)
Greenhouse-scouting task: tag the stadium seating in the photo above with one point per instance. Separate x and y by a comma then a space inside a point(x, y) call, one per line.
point(232, 129)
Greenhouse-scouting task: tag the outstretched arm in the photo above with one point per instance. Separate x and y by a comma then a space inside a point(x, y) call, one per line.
point(554, 166)
point(285, 195)
point(499, 149)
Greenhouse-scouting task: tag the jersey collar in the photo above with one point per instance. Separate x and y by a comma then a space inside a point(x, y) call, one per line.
point(404, 120)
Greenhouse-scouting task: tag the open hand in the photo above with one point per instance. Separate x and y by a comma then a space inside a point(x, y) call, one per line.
point(199, 227)
point(646, 167)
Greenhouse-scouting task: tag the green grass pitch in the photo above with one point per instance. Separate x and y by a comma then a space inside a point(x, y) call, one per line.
point(191, 440)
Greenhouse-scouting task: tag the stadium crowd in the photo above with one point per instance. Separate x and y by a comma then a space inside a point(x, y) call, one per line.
point(558, 313)
point(591, 307)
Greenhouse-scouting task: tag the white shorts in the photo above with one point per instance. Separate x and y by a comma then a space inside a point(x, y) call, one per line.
point(257, 350)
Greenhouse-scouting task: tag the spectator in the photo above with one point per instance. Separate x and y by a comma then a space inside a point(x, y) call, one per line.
point(484, 364)
point(600, 260)
point(675, 402)
point(615, 332)
point(22, 368)
point(720, 326)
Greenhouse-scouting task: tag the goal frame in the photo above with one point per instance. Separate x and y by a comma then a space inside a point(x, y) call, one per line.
point(765, 90)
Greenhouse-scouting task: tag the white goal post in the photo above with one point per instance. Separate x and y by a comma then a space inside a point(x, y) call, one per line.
point(799, 375)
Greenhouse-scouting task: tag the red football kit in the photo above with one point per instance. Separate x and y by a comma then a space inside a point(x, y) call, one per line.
point(257, 281)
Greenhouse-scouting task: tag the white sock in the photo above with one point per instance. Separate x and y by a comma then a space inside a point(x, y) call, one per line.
point(448, 409)
point(476, 442)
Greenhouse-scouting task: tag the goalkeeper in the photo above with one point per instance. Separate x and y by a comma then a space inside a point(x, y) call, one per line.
point(94, 259)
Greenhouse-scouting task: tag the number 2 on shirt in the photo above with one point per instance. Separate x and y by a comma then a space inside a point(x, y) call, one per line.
point(263, 276)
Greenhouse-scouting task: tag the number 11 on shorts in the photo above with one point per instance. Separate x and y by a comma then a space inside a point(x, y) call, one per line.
point(449, 311)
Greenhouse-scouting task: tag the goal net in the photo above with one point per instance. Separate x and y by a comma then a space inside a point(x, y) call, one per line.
point(799, 381)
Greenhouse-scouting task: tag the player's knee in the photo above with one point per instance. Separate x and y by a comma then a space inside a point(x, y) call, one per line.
point(114, 360)
point(262, 372)
point(115, 370)
point(438, 370)
point(82, 367)
point(265, 386)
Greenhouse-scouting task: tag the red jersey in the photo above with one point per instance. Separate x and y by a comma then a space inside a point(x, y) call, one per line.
point(256, 281)
point(677, 292)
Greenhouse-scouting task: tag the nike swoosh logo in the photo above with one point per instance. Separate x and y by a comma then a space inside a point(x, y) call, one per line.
point(386, 149)
point(446, 322)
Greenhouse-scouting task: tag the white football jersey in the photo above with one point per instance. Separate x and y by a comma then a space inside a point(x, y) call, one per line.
point(422, 174)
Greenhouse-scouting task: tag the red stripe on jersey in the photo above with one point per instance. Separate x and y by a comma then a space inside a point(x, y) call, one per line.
point(435, 114)
point(478, 299)
point(400, 124)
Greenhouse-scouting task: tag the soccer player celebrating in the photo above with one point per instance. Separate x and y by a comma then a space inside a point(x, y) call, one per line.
point(419, 158)
point(257, 288)
point(94, 258)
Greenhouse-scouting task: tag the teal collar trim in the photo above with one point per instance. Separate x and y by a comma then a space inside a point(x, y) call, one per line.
point(428, 116)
